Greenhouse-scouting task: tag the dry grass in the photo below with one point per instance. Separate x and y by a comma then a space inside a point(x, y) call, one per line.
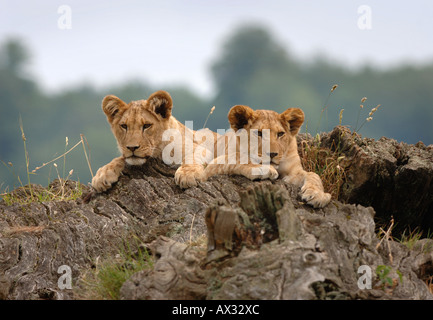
point(386, 238)
point(429, 283)
point(325, 162)
point(329, 162)
point(59, 190)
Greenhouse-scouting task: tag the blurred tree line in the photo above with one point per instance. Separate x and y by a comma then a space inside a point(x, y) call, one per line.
point(252, 69)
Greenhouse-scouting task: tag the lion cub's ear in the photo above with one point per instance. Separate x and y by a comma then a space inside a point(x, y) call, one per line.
point(161, 103)
point(295, 118)
point(239, 116)
point(111, 105)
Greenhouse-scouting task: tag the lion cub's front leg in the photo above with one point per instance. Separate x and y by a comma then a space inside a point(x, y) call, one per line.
point(191, 172)
point(108, 174)
point(188, 175)
point(312, 190)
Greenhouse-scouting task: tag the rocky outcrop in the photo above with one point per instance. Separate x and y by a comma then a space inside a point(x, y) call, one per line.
point(396, 179)
point(271, 247)
point(263, 242)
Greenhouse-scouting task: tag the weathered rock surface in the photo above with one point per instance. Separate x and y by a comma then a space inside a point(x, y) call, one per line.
point(37, 238)
point(263, 242)
point(396, 179)
point(319, 259)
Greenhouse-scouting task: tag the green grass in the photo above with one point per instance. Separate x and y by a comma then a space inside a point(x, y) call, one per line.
point(410, 238)
point(61, 189)
point(105, 280)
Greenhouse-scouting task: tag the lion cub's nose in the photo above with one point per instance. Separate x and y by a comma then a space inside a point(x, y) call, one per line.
point(133, 148)
point(273, 154)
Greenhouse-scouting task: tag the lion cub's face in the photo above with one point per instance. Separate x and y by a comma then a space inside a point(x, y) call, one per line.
point(138, 126)
point(283, 128)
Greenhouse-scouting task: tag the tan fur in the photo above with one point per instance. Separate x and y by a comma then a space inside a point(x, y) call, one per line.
point(283, 154)
point(138, 128)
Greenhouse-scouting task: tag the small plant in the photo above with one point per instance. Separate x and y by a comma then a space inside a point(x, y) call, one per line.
point(410, 239)
point(57, 190)
point(385, 281)
point(105, 281)
point(33, 193)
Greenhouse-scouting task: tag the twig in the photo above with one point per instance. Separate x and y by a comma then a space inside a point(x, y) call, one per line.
point(190, 230)
point(45, 164)
point(387, 236)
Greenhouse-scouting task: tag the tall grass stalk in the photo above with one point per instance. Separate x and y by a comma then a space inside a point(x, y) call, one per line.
point(45, 194)
point(325, 106)
point(85, 153)
point(57, 158)
point(64, 158)
point(211, 111)
point(23, 136)
point(361, 106)
point(368, 119)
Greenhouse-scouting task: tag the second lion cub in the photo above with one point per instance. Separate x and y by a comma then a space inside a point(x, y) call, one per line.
point(283, 154)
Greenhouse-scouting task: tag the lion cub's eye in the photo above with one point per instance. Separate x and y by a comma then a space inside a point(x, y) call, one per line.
point(146, 125)
point(124, 126)
point(259, 133)
point(280, 134)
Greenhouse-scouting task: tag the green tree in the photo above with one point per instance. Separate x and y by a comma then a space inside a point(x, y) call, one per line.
point(255, 70)
point(18, 96)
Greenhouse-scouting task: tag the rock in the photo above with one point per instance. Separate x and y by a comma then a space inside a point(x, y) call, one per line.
point(39, 237)
point(396, 179)
point(263, 242)
point(175, 275)
point(319, 261)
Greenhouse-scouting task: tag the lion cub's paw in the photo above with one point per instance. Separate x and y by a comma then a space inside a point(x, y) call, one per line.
point(264, 172)
point(315, 197)
point(187, 176)
point(104, 178)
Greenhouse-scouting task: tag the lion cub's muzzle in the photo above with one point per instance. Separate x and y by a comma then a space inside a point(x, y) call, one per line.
point(134, 156)
point(136, 161)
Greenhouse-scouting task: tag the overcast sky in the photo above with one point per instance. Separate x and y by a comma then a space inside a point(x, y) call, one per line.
point(175, 41)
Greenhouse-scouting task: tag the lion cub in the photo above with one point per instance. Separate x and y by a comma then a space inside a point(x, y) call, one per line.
point(282, 155)
point(139, 128)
